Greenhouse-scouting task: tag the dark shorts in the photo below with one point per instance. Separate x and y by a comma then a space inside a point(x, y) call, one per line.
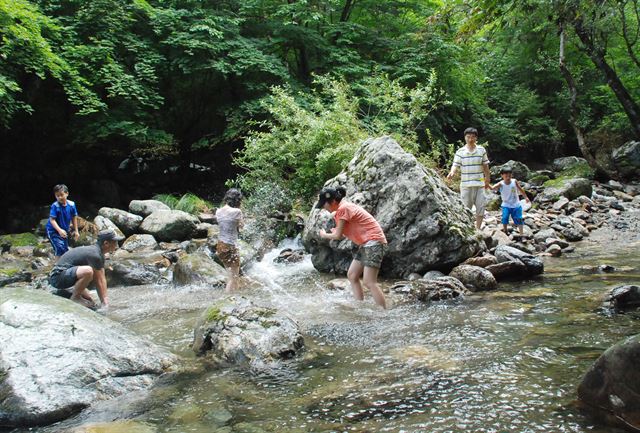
point(371, 254)
point(514, 212)
point(228, 254)
point(63, 279)
point(60, 245)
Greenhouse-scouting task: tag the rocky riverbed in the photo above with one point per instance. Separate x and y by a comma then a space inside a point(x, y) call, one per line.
point(514, 325)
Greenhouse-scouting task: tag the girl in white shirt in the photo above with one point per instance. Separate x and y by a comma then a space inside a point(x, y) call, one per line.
point(230, 221)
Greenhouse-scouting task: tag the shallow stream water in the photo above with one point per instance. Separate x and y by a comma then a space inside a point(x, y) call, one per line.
point(502, 361)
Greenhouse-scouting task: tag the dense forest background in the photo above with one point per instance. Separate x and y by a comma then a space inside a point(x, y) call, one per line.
point(125, 99)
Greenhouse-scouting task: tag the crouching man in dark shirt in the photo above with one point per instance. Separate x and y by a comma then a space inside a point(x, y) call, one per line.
point(80, 266)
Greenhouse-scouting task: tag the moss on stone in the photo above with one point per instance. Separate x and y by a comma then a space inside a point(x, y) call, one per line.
point(557, 182)
point(214, 314)
point(19, 239)
point(9, 272)
point(580, 169)
point(539, 179)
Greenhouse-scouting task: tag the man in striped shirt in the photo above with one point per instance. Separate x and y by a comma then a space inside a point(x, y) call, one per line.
point(474, 173)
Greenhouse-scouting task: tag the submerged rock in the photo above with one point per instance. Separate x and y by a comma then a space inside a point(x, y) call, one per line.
point(624, 297)
point(425, 223)
point(237, 331)
point(437, 289)
point(59, 357)
point(509, 269)
point(474, 277)
point(612, 384)
point(289, 255)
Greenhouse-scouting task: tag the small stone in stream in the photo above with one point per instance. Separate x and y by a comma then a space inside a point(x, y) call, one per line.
point(555, 241)
point(624, 297)
point(606, 268)
point(554, 250)
point(616, 205)
point(571, 234)
point(568, 250)
point(414, 276)
point(482, 261)
point(339, 284)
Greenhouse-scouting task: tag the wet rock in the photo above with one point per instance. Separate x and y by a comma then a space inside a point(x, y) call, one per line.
point(606, 268)
point(425, 222)
point(170, 225)
point(144, 208)
point(139, 242)
point(59, 357)
point(626, 159)
point(127, 222)
point(339, 284)
point(124, 426)
point(554, 250)
point(437, 289)
point(289, 255)
point(570, 188)
point(7, 278)
point(534, 265)
point(103, 223)
point(511, 269)
point(555, 241)
point(236, 331)
point(199, 268)
point(414, 276)
point(431, 275)
point(612, 384)
point(482, 261)
point(133, 271)
point(474, 277)
point(624, 297)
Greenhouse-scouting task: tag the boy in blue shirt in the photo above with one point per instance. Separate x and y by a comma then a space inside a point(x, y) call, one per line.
point(62, 216)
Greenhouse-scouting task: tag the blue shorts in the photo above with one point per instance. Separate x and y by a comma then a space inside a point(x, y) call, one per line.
point(60, 245)
point(516, 214)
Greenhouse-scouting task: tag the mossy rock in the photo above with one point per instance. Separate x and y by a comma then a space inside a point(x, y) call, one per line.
point(579, 169)
point(539, 179)
point(19, 240)
point(9, 272)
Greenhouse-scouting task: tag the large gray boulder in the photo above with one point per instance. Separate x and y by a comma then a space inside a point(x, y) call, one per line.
point(533, 265)
point(135, 269)
point(127, 222)
point(425, 223)
point(199, 268)
point(57, 357)
point(570, 188)
point(236, 331)
point(170, 225)
point(474, 277)
point(626, 159)
point(144, 208)
point(567, 162)
point(519, 170)
point(612, 384)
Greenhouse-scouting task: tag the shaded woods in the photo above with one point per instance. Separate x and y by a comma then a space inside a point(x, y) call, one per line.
point(182, 85)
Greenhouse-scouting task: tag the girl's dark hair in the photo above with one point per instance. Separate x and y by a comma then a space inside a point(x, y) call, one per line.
point(328, 194)
point(61, 187)
point(233, 197)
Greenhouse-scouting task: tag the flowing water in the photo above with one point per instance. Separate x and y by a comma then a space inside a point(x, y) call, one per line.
point(503, 361)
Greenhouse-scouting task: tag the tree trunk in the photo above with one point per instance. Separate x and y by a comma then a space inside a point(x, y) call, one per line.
point(574, 112)
point(631, 109)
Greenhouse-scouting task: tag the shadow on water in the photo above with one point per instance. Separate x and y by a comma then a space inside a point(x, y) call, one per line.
point(501, 361)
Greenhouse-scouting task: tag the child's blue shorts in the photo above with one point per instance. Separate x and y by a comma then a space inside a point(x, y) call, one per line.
point(516, 214)
point(60, 245)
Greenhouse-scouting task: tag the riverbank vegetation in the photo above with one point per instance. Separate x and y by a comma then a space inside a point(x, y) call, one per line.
point(287, 87)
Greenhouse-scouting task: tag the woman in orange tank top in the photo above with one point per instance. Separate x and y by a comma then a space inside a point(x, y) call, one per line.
point(357, 225)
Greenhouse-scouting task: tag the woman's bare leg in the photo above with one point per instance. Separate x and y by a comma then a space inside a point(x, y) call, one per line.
point(353, 274)
point(370, 281)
